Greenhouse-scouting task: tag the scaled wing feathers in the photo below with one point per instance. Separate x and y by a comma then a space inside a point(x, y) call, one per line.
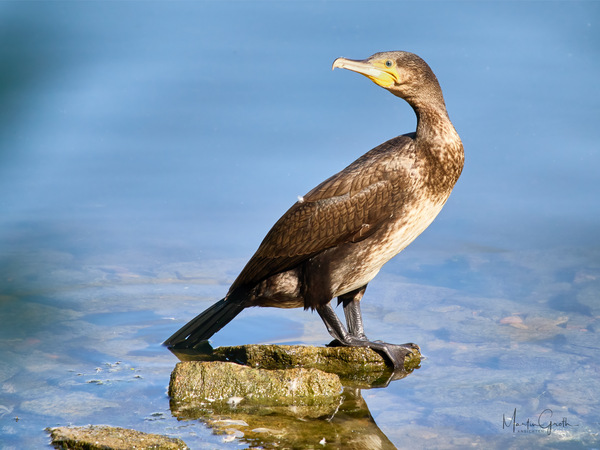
point(347, 207)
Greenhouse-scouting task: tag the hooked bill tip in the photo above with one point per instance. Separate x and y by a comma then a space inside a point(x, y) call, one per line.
point(337, 63)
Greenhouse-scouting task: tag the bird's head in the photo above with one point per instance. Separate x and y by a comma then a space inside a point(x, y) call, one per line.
point(404, 74)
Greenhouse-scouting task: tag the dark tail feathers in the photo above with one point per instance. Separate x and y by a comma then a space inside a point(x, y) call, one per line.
point(207, 323)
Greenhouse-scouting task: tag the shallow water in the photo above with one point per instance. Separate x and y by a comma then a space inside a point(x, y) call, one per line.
point(148, 147)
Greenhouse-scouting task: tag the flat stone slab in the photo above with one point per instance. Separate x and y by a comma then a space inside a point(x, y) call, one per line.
point(358, 366)
point(103, 437)
point(216, 381)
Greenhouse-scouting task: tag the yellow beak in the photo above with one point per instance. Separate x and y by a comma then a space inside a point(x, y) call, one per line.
point(376, 70)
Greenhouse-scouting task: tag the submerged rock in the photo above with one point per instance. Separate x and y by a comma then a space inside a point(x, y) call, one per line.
point(110, 438)
point(229, 382)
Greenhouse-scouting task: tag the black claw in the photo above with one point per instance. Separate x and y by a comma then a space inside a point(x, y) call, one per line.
point(396, 354)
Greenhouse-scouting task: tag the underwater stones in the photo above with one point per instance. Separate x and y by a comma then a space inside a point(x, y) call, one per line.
point(110, 438)
point(232, 383)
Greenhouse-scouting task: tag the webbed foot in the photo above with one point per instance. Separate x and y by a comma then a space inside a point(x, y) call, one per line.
point(395, 353)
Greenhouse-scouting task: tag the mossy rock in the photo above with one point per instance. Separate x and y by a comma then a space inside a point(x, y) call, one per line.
point(356, 366)
point(103, 437)
point(217, 381)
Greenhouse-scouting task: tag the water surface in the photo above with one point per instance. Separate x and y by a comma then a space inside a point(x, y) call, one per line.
point(146, 148)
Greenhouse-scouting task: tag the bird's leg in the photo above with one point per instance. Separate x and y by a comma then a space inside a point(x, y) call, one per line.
point(351, 302)
point(356, 337)
point(395, 353)
point(334, 326)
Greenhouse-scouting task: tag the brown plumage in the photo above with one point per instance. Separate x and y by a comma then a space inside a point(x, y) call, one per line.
point(335, 239)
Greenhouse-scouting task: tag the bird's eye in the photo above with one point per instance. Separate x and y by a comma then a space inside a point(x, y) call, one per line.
point(389, 63)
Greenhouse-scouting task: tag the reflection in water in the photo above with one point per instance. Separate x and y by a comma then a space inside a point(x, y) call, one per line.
point(348, 424)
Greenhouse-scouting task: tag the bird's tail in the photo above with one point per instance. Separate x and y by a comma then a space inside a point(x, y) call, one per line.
point(207, 323)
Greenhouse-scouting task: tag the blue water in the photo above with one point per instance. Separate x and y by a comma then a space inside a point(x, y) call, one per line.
point(147, 147)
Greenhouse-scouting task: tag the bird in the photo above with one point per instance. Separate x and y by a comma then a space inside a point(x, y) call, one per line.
point(335, 239)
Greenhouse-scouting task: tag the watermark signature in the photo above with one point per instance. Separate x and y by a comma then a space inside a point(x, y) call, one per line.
point(543, 424)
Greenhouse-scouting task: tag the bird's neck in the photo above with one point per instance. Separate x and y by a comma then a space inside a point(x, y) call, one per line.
point(433, 123)
point(437, 137)
point(434, 126)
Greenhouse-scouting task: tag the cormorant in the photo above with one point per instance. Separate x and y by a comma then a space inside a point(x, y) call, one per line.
point(335, 239)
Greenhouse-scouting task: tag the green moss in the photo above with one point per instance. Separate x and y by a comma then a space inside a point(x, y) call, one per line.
point(356, 366)
point(110, 438)
point(223, 381)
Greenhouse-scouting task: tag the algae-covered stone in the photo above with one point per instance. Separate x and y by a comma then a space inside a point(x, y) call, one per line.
point(110, 438)
point(357, 366)
point(331, 359)
point(196, 380)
